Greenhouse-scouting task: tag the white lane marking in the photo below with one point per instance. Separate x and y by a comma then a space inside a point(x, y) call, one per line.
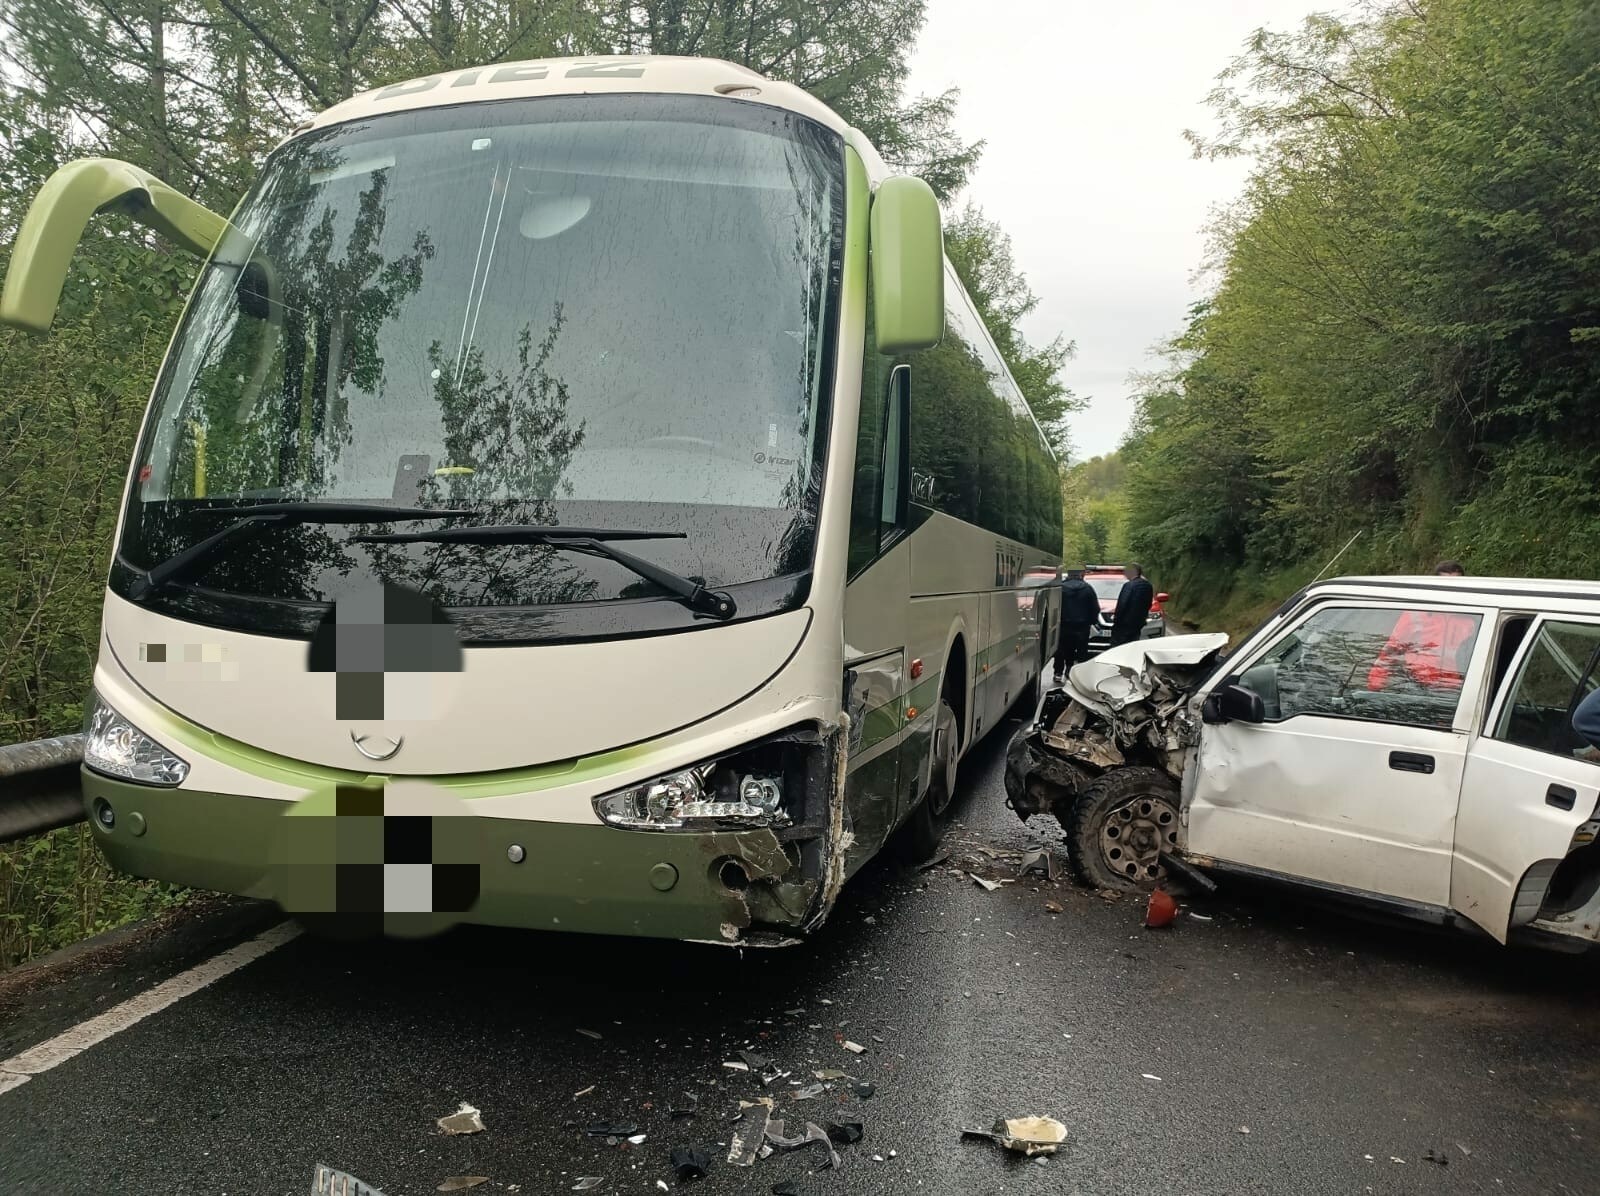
point(19, 1069)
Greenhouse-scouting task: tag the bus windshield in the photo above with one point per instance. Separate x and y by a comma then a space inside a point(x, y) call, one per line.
point(606, 311)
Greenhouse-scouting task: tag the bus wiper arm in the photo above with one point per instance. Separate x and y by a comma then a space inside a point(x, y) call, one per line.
point(593, 540)
point(257, 516)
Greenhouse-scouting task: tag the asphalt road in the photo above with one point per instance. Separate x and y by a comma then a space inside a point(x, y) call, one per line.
point(1348, 1051)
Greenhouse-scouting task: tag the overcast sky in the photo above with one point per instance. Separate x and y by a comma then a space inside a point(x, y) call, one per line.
point(1083, 104)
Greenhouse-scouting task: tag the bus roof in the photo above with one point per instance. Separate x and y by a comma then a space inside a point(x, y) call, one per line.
point(582, 76)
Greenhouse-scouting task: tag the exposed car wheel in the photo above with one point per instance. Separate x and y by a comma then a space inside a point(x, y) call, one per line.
point(1120, 825)
point(925, 828)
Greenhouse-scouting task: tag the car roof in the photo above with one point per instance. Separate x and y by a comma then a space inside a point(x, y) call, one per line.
point(1514, 591)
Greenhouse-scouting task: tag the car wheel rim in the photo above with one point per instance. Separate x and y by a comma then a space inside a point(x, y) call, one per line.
point(1134, 835)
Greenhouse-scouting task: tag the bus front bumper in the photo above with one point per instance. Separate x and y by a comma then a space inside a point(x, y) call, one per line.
point(743, 887)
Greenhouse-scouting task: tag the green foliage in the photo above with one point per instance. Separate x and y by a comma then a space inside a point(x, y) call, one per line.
point(1401, 339)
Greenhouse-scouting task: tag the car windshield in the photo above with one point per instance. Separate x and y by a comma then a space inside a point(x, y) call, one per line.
point(609, 311)
point(1038, 579)
point(1107, 588)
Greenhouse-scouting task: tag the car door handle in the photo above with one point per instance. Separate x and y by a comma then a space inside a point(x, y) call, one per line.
point(1560, 796)
point(1410, 762)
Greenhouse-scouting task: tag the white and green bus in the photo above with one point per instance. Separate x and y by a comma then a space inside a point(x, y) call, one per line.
point(578, 495)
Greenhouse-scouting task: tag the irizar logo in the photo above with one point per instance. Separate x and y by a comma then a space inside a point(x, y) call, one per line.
point(1007, 565)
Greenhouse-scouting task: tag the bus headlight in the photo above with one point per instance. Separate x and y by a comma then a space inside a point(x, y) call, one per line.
point(719, 794)
point(116, 747)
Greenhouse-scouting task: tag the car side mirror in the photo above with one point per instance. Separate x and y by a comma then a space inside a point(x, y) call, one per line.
point(1233, 703)
point(1163, 597)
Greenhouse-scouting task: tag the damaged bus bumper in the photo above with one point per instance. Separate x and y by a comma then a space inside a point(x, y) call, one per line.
point(408, 857)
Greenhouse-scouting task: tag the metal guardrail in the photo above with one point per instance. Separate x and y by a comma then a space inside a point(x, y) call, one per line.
point(39, 786)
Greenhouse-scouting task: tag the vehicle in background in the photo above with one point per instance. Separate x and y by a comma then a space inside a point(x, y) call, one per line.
point(1107, 581)
point(1402, 743)
point(508, 382)
point(1034, 588)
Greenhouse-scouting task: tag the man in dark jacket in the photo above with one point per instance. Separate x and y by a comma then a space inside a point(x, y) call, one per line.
point(1133, 607)
point(1080, 607)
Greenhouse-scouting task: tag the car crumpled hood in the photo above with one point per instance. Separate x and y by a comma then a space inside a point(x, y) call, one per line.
point(1132, 672)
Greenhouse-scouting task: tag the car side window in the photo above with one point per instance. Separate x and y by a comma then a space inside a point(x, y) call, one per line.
point(1558, 672)
point(1380, 664)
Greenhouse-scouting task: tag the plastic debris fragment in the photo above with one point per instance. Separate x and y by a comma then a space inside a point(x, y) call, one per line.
point(587, 1183)
point(847, 1131)
point(1025, 1135)
point(855, 1048)
point(1161, 910)
point(460, 1183)
point(809, 1092)
point(744, 1145)
point(688, 1163)
point(863, 1089)
point(465, 1120)
point(814, 1133)
point(988, 886)
point(687, 1105)
point(588, 1033)
point(329, 1181)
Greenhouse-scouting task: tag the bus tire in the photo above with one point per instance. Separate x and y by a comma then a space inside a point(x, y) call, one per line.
point(926, 826)
point(1118, 826)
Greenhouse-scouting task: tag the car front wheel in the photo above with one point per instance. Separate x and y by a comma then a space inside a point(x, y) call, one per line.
point(1119, 826)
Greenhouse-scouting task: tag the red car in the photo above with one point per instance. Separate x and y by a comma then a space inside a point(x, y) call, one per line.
point(1107, 581)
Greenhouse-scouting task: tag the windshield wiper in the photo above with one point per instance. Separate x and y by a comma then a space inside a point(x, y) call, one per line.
point(593, 540)
point(257, 516)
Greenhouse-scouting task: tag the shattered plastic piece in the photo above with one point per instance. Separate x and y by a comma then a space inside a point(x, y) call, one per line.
point(1201, 917)
point(814, 1133)
point(733, 1065)
point(587, 1182)
point(1025, 1135)
point(988, 886)
point(464, 1120)
point(743, 1146)
point(1464, 1151)
point(754, 1061)
point(327, 1181)
point(863, 1089)
point(585, 1092)
point(687, 1106)
point(1437, 1156)
point(1393, 1159)
point(611, 1129)
point(1035, 859)
point(830, 1073)
point(1244, 1129)
point(688, 1163)
point(809, 1092)
point(588, 1033)
point(1148, 1076)
point(877, 1158)
point(1161, 910)
point(636, 1139)
point(855, 1048)
point(1108, 894)
point(662, 1184)
point(1052, 907)
point(847, 1131)
point(460, 1183)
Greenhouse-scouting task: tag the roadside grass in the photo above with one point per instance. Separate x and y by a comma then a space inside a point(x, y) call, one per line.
point(57, 888)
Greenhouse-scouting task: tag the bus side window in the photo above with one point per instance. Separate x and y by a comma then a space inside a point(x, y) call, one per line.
point(895, 507)
point(866, 493)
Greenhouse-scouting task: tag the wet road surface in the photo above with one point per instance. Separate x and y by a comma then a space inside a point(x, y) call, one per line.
point(1346, 1050)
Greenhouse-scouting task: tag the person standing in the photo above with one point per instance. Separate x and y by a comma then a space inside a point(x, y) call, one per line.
point(1133, 606)
point(1080, 607)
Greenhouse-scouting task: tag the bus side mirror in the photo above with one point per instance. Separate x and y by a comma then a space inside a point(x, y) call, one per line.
point(907, 266)
point(56, 219)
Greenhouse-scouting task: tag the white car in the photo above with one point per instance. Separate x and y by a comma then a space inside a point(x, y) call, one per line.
point(1400, 742)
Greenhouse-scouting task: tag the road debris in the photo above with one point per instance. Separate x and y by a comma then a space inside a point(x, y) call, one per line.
point(809, 1092)
point(465, 1120)
point(847, 1131)
point(689, 1163)
point(587, 1183)
point(1393, 1159)
point(744, 1146)
point(460, 1183)
point(785, 1188)
point(616, 1130)
point(584, 1092)
point(1053, 907)
point(1148, 1076)
point(589, 1033)
point(1044, 860)
point(754, 1061)
point(814, 1133)
point(1201, 917)
point(988, 886)
point(636, 1139)
point(686, 1105)
point(1244, 1129)
point(735, 1065)
point(1024, 1135)
point(863, 1089)
point(1108, 894)
point(329, 1181)
point(830, 1073)
point(1161, 910)
point(855, 1048)
point(1437, 1156)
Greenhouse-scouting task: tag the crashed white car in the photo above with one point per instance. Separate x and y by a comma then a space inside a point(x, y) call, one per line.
point(1400, 742)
